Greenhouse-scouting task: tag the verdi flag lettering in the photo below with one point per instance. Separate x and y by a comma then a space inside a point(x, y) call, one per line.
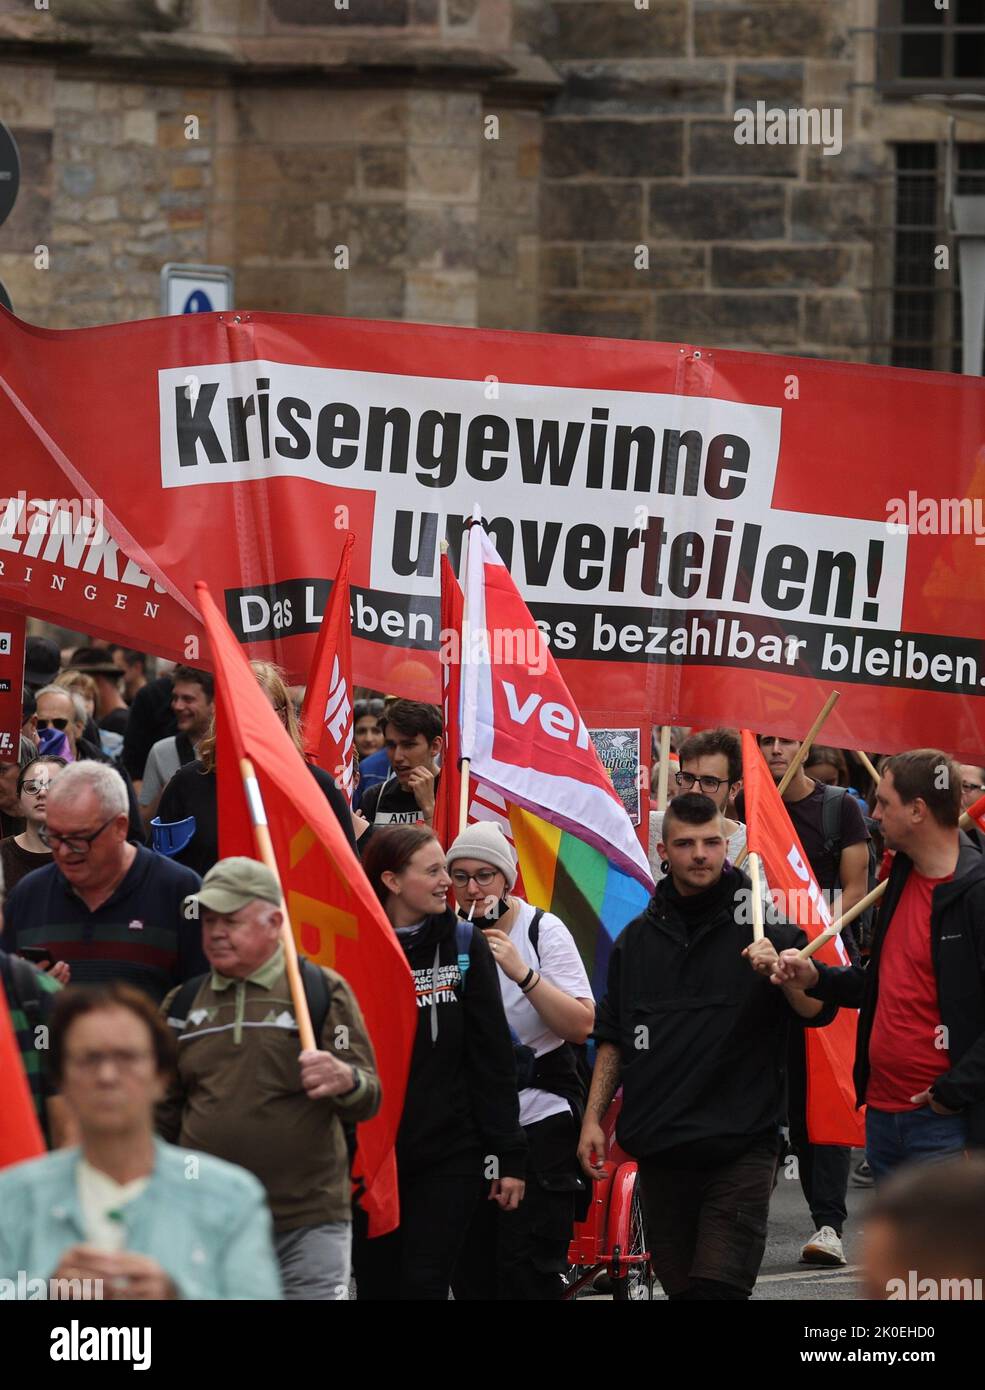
point(20, 1133)
point(705, 535)
point(337, 919)
point(447, 801)
point(521, 729)
point(831, 1114)
point(327, 717)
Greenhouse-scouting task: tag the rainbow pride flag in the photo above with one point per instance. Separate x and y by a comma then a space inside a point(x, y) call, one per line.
point(564, 875)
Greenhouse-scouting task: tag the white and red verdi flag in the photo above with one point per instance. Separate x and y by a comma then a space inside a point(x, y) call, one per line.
point(521, 730)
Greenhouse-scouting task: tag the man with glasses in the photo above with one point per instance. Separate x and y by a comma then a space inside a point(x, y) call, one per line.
point(110, 909)
point(710, 763)
point(972, 790)
point(117, 1217)
point(63, 710)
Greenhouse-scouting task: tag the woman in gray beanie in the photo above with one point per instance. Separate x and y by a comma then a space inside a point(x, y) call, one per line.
point(548, 1000)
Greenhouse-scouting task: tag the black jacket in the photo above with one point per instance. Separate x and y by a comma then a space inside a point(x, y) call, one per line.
point(462, 1106)
point(92, 753)
point(957, 948)
point(702, 1037)
point(192, 792)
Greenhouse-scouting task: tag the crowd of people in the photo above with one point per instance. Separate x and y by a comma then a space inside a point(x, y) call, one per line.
point(156, 971)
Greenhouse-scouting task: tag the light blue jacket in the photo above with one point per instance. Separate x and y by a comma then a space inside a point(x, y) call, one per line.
point(206, 1222)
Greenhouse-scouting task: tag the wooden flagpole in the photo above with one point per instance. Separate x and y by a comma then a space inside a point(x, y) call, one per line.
point(265, 849)
point(798, 761)
point(868, 764)
point(755, 874)
point(831, 932)
point(663, 774)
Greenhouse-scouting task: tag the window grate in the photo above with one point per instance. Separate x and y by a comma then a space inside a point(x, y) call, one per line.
point(921, 48)
point(920, 312)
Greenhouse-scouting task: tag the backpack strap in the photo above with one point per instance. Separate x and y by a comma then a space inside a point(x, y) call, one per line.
point(533, 934)
point(183, 1000)
point(183, 747)
point(318, 995)
point(831, 812)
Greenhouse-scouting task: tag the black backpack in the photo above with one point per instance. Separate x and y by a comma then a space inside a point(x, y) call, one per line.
point(831, 807)
point(319, 1000)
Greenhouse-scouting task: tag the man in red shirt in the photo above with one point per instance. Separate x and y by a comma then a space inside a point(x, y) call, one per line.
point(920, 1056)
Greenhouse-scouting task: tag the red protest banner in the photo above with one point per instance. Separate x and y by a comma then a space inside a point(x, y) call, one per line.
point(12, 627)
point(700, 533)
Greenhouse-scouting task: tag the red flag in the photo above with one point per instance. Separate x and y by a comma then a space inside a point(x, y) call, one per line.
point(336, 916)
point(447, 802)
point(831, 1114)
point(977, 813)
point(20, 1133)
point(326, 717)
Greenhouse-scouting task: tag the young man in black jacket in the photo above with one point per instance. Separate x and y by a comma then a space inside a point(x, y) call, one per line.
point(697, 1040)
point(920, 1052)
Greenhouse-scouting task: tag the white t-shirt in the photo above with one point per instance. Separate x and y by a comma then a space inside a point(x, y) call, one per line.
point(561, 965)
point(162, 763)
point(100, 1195)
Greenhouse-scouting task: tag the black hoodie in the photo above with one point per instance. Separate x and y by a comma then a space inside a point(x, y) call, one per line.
point(702, 1036)
point(462, 1106)
point(957, 948)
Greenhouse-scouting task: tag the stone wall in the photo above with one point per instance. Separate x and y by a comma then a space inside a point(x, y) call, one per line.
point(565, 165)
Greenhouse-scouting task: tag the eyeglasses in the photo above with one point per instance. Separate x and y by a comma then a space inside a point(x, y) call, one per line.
point(123, 1059)
point(61, 724)
point(75, 844)
point(972, 787)
point(32, 788)
point(483, 878)
point(707, 784)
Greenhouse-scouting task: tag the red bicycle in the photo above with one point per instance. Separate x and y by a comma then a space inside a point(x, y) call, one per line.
point(610, 1244)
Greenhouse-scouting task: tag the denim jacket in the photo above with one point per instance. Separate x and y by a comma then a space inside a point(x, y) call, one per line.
point(206, 1222)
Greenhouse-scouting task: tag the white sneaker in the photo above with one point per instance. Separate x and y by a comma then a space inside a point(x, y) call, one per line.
point(823, 1248)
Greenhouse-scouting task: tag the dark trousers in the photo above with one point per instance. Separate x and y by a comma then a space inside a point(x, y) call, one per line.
point(523, 1254)
point(823, 1168)
point(416, 1260)
point(707, 1229)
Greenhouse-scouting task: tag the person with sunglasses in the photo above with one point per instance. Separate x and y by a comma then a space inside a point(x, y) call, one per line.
point(110, 909)
point(20, 854)
point(64, 712)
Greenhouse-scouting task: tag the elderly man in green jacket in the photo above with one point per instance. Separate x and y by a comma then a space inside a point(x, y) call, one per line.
point(247, 1093)
point(125, 1216)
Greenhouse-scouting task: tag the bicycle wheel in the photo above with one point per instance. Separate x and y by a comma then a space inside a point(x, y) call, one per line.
point(637, 1281)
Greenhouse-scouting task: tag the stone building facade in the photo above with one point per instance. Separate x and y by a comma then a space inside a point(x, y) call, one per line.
point(560, 165)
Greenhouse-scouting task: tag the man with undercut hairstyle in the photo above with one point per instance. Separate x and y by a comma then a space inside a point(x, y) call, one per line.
point(692, 1035)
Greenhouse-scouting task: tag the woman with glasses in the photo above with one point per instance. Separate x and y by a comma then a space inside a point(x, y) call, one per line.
point(459, 1145)
point(522, 1253)
point(19, 854)
point(191, 793)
